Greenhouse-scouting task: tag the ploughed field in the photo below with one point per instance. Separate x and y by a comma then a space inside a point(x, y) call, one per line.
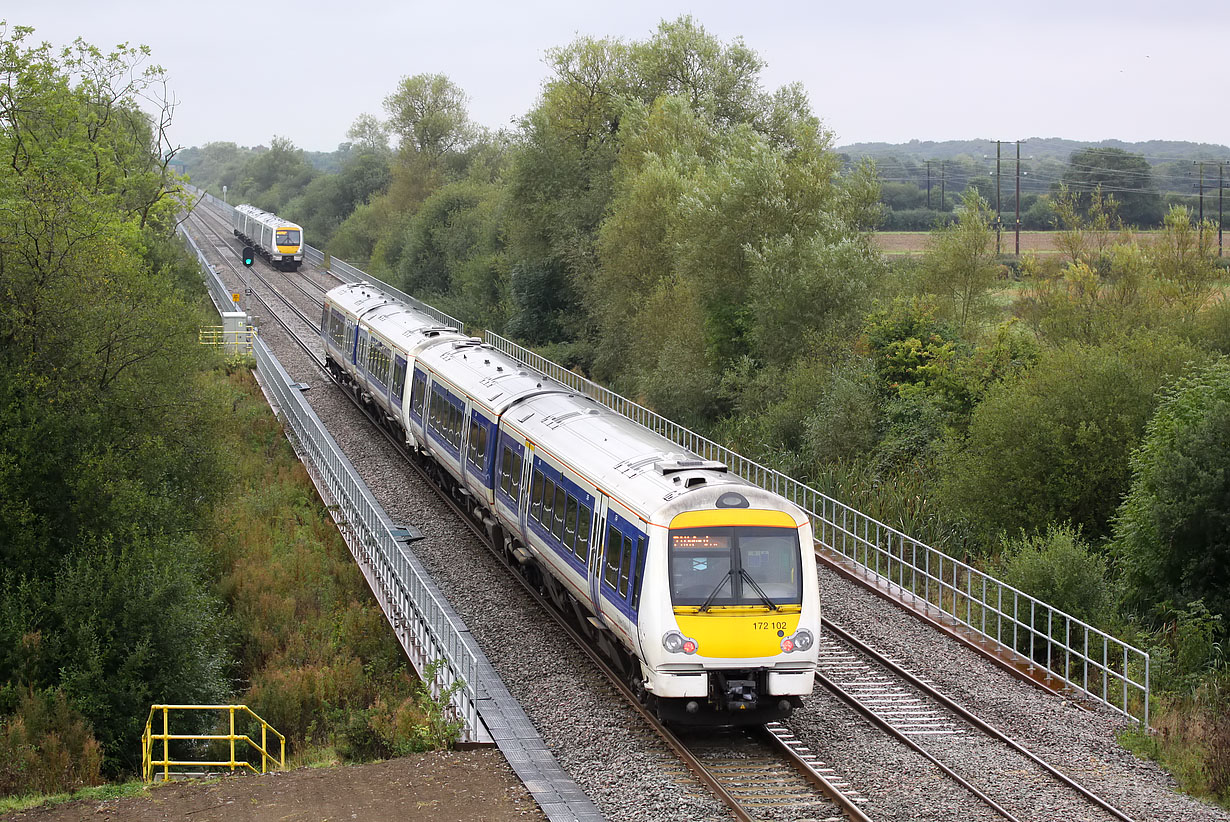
point(915, 242)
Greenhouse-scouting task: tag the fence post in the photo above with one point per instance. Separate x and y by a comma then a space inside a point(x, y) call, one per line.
point(166, 748)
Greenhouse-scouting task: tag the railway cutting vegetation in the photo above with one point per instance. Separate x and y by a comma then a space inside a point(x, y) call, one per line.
point(658, 222)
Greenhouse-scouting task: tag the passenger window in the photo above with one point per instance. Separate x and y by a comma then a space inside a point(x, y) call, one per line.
point(570, 522)
point(640, 573)
point(548, 502)
point(614, 545)
point(561, 503)
point(481, 461)
point(536, 496)
point(399, 380)
point(473, 451)
point(624, 562)
point(514, 477)
point(416, 397)
point(584, 524)
point(505, 477)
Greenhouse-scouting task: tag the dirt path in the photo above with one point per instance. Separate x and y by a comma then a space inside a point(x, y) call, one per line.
point(451, 786)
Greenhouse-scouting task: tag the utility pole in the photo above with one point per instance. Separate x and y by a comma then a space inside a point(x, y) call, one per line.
point(997, 210)
point(1018, 198)
point(1201, 218)
point(1221, 167)
point(928, 185)
point(942, 186)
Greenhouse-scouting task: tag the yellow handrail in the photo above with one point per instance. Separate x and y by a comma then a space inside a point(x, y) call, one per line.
point(234, 341)
point(148, 763)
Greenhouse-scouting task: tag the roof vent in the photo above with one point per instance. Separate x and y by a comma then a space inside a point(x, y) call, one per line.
point(668, 467)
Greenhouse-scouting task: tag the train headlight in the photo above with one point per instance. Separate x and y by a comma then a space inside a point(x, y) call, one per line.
point(801, 641)
point(676, 643)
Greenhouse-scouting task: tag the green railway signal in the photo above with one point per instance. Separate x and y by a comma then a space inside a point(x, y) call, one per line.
point(249, 254)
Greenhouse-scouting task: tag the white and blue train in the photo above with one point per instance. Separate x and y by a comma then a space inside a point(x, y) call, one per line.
point(701, 586)
point(278, 241)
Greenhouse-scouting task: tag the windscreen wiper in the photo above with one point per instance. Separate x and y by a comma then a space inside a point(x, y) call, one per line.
point(772, 605)
point(713, 596)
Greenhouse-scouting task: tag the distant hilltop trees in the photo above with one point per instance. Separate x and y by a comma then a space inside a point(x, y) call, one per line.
point(920, 180)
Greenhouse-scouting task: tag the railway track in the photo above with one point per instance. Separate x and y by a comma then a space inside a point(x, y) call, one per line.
point(917, 715)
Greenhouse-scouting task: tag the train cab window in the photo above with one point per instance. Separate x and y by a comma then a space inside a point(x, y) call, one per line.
point(570, 523)
point(585, 522)
point(324, 320)
point(612, 552)
point(337, 329)
point(287, 237)
point(536, 495)
point(735, 565)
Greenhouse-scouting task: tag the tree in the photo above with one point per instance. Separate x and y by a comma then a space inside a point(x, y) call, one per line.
point(959, 264)
point(1088, 224)
point(428, 113)
point(1116, 172)
point(1185, 256)
point(1172, 532)
point(1055, 443)
point(108, 468)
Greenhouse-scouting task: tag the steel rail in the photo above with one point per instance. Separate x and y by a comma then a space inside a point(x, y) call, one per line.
point(968, 716)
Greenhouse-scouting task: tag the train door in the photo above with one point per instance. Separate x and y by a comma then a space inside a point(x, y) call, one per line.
point(594, 565)
point(523, 506)
point(362, 340)
point(418, 394)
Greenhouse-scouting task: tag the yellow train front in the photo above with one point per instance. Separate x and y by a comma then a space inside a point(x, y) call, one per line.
point(730, 607)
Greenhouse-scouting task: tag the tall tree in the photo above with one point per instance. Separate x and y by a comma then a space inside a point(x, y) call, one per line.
point(107, 467)
point(428, 113)
point(1128, 177)
point(959, 265)
point(1172, 532)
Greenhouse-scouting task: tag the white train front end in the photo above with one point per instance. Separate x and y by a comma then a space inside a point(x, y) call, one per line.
point(730, 634)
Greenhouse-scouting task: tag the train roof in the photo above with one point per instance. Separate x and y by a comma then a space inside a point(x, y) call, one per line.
point(641, 468)
point(491, 378)
point(400, 324)
point(266, 217)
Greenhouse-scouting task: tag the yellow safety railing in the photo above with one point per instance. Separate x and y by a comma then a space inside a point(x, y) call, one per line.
point(233, 341)
point(149, 764)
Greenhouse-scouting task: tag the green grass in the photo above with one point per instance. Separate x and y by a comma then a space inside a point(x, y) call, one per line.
point(117, 790)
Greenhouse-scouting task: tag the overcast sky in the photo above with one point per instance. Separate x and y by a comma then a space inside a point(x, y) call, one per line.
point(875, 71)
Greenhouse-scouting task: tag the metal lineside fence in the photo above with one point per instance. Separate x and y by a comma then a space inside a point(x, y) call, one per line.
point(436, 645)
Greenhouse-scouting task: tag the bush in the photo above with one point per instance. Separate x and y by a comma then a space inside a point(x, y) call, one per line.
point(1059, 569)
point(1173, 529)
point(915, 219)
point(1055, 443)
point(47, 747)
